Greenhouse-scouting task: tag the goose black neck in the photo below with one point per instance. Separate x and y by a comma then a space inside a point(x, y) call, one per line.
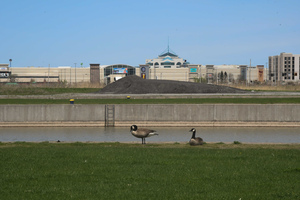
point(194, 134)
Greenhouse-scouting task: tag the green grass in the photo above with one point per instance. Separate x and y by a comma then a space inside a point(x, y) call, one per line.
point(30, 90)
point(152, 171)
point(157, 101)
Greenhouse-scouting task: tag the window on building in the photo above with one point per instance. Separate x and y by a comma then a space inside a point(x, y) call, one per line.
point(167, 63)
point(107, 71)
point(131, 71)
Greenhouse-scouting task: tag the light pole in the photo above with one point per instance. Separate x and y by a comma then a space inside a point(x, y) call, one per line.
point(48, 73)
point(250, 73)
point(75, 73)
point(10, 63)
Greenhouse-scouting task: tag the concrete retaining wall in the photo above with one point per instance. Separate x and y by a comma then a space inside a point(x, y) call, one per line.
point(153, 113)
point(48, 113)
point(209, 112)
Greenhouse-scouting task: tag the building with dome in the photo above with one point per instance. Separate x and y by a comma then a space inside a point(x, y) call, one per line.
point(167, 59)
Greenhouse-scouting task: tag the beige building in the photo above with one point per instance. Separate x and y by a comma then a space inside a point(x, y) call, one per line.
point(109, 73)
point(43, 74)
point(211, 73)
point(284, 67)
point(168, 66)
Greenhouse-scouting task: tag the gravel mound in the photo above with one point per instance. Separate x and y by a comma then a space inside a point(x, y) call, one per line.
point(136, 85)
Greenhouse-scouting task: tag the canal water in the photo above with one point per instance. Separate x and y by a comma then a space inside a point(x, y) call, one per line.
point(166, 134)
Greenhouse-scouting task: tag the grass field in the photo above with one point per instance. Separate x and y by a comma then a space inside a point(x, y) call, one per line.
point(87, 88)
point(152, 171)
point(31, 90)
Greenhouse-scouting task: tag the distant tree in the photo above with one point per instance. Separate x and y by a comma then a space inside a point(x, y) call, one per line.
point(225, 77)
point(196, 80)
point(222, 77)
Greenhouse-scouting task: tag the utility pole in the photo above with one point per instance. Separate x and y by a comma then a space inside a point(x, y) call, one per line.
point(75, 73)
point(199, 67)
point(250, 73)
point(48, 73)
point(70, 75)
point(10, 63)
point(9, 69)
point(267, 71)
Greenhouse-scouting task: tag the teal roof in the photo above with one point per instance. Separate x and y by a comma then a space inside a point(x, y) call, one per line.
point(168, 52)
point(167, 58)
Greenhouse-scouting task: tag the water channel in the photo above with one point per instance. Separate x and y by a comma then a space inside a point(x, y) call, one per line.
point(166, 134)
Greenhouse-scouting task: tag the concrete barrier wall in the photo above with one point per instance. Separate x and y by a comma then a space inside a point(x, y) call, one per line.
point(48, 113)
point(153, 112)
point(209, 112)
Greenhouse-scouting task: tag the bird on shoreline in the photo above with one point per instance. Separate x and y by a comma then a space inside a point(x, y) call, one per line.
point(195, 140)
point(142, 133)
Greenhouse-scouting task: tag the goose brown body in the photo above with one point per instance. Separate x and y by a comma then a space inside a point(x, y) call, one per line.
point(195, 140)
point(142, 133)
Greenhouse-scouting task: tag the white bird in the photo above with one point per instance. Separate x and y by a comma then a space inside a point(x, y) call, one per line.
point(195, 140)
point(142, 133)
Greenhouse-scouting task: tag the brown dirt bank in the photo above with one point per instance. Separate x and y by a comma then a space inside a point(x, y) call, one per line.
point(136, 85)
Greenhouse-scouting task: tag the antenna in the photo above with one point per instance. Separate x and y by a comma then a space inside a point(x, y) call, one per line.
point(168, 45)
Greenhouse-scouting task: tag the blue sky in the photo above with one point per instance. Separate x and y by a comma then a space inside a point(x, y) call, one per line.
point(64, 32)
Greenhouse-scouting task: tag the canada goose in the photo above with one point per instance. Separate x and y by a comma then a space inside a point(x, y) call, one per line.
point(142, 133)
point(195, 140)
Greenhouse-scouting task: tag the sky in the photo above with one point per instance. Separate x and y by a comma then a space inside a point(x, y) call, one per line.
point(43, 33)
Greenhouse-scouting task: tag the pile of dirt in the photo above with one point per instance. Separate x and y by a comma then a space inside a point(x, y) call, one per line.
point(136, 85)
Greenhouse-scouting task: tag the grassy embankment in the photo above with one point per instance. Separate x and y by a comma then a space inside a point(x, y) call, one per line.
point(27, 90)
point(41, 90)
point(21, 90)
point(275, 88)
point(153, 171)
point(156, 101)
